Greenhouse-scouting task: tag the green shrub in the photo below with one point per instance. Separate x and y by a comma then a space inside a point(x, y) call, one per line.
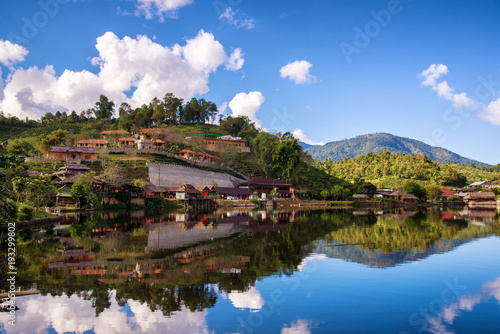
point(14, 210)
point(454, 199)
point(25, 212)
point(158, 203)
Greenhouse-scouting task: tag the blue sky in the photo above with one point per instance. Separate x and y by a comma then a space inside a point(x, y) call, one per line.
point(325, 70)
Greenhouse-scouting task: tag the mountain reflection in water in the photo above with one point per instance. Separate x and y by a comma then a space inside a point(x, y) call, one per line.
point(177, 263)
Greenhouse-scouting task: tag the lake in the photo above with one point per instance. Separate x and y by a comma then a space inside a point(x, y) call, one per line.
point(323, 271)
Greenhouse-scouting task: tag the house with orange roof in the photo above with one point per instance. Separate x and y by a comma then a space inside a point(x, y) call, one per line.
point(95, 143)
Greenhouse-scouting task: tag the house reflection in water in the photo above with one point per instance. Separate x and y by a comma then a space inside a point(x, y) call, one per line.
point(182, 234)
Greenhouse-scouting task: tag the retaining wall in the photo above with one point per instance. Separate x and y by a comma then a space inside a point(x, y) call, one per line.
point(165, 175)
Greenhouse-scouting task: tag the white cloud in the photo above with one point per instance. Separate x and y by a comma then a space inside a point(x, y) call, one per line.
point(11, 53)
point(160, 8)
point(124, 65)
point(250, 299)
point(298, 71)
point(76, 315)
point(491, 112)
point(244, 104)
point(236, 18)
point(223, 108)
point(430, 77)
point(433, 73)
point(299, 327)
point(437, 324)
point(235, 61)
point(309, 259)
point(300, 135)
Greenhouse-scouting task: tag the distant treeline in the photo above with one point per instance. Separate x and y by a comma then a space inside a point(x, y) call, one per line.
point(389, 170)
point(169, 110)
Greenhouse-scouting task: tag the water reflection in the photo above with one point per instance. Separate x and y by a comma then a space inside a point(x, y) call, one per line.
point(138, 272)
point(441, 323)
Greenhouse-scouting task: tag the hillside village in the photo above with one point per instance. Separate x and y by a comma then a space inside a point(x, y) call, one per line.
point(176, 182)
point(182, 157)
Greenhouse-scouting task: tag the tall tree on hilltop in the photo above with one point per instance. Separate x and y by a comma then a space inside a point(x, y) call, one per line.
point(197, 111)
point(104, 108)
point(240, 126)
point(286, 158)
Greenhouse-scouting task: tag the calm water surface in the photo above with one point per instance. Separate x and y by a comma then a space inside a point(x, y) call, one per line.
point(264, 272)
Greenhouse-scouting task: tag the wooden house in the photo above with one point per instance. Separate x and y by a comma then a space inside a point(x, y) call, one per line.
point(72, 153)
point(445, 193)
point(234, 193)
point(96, 143)
point(187, 191)
point(126, 142)
point(143, 144)
point(409, 198)
point(264, 186)
point(481, 200)
point(397, 194)
point(188, 154)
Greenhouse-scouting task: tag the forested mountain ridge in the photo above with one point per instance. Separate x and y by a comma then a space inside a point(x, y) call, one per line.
point(388, 170)
point(377, 142)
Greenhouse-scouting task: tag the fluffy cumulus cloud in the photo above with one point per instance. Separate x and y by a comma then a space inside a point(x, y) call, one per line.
point(11, 53)
point(300, 135)
point(137, 65)
point(76, 315)
point(298, 327)
point(251, 299)
point(247, 104)
point(235, 61)
point(430, 77)
point(236, 18)
point(489, 112)
point(298, 72)
point(160, 8)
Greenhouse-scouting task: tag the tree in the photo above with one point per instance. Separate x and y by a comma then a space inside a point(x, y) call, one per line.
point(5, 207)
point(286, 158)
point(197, 111)
point(337, 191)
point(58, 136)
point(433, 192)
point(366, 188)
point(263, 145)
point(104, 108)
point(24, 149)
point(83, 188)
point(324, 194)
point(166, 111)
point(239, 126)
point(412, 187)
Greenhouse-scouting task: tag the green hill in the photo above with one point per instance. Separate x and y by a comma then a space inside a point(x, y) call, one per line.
point(377, 142)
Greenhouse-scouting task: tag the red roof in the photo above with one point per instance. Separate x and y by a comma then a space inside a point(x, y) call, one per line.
point(111, 131)
point(92, 141)
point(197, 153)
point(446, 192)
point(127, 139)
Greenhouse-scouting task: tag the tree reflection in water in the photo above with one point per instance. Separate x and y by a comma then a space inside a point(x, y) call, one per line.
point(110, 251)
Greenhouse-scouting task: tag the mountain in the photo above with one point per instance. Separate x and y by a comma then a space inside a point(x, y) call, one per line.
point(377, 142)
point(304, 145)
point(378, 259)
